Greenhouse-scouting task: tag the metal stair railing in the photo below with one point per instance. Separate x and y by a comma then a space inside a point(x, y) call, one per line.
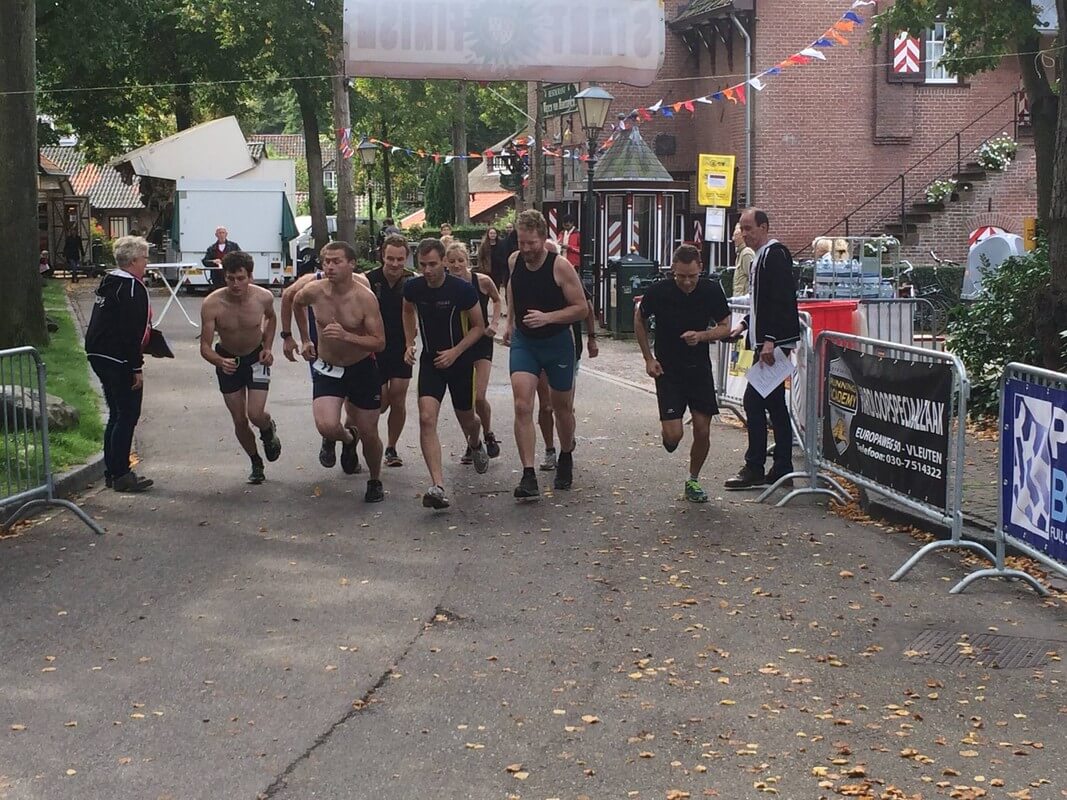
point(894, 197)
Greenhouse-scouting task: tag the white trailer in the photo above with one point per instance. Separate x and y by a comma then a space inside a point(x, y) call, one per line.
point(256, 214)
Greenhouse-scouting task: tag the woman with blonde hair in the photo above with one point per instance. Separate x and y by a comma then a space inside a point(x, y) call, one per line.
point(458, 264)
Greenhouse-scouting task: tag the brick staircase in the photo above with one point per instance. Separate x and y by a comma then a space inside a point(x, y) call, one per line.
point(982, 197)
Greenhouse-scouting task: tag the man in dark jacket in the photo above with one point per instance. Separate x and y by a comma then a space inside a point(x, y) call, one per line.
point(773, 329)
point(114, 342)
point(214, 255)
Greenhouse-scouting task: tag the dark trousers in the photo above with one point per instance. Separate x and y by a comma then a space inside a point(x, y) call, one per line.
point(757, 407)
point(124, 409)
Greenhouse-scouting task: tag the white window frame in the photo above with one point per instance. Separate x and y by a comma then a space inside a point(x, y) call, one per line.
point(329, 180)
point(123, 223)
point(936, 73)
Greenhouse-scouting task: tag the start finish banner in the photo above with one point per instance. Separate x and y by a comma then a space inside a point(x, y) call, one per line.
point(1034, 463)
point(888, 421)
point(496, 40)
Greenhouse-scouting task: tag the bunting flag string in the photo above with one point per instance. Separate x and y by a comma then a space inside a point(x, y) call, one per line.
point(521, 146)
point(738, 93)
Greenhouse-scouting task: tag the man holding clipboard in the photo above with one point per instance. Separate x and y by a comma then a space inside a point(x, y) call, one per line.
point(772, 329)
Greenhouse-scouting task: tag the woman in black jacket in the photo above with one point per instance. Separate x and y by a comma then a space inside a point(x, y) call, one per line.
point(118, 332)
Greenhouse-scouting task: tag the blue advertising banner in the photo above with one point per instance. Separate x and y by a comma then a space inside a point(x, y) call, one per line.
point(1034, 467)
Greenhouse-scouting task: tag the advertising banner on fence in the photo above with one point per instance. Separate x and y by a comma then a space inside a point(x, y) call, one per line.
point(1034, 462)
point(888, 421)
point(497, 40)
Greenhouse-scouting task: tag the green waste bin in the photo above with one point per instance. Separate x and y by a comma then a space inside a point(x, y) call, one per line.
point(628, 274)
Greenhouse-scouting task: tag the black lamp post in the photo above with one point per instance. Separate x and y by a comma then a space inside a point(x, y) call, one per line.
point(368, 154)
point(593, 104)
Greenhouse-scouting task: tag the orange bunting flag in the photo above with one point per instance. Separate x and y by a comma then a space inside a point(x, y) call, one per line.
point(729, 94)
point(837, 37)
point(677, 107)
point(844, 25)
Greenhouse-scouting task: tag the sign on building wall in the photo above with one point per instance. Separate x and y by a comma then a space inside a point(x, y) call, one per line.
point(559, 99)
point(715, 184)
point(495, 40)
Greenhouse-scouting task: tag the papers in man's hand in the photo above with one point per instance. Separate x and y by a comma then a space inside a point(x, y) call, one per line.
point(765, 378)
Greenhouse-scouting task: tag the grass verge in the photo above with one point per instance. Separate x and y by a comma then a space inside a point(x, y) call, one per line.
point(67, 376)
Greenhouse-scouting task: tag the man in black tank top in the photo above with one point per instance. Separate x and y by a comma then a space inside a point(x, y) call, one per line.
point(545, 298)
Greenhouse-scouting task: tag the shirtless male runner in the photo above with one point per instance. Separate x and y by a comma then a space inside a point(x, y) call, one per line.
point(243, 316)
point(290, 348)
point(350, 332)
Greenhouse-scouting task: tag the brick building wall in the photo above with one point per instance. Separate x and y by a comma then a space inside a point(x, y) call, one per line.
point(827, 136)
point(1003, 200)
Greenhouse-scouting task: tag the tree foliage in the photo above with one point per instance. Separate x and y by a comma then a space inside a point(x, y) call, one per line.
point(440, 201)
point(994, 330)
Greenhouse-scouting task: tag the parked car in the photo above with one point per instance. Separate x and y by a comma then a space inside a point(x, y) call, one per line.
point(305, 240)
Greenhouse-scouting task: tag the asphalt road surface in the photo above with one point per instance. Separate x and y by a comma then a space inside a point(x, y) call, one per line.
point(289, 641)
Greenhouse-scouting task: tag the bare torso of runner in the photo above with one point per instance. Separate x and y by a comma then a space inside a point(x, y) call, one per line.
point(239, 321)
point(346, 308)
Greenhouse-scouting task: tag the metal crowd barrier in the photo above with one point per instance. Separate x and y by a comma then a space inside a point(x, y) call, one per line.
point(892, 319)
point(26, 480)
point(803, 397)
point(948, 514)
point(1035, 488)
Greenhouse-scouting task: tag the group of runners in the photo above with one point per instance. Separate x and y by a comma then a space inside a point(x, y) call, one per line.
point(360, 335)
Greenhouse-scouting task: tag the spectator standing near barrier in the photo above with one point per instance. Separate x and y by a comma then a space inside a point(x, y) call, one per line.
point(742, 264)
point(772, 328)
point(73, 252)
point(213, 256)
point(570, 243)
point(118, 332)
point(690, 313)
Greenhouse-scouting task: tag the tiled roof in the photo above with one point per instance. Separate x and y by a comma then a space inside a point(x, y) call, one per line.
point(102, 184)
point(697, 8)
point(291, 145)
point(631, 159)
point(480, 203)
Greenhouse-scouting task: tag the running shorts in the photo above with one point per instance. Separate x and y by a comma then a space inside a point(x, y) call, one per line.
point(250, 373)
point(391, 364)
point(554, 356)
point(457, 379)
point(358, 383)
point(691, 388)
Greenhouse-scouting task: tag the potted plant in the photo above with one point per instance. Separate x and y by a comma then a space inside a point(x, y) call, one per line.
point(941, 190)
point(997, 153)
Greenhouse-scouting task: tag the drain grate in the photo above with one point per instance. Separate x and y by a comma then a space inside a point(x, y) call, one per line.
point(956, 649)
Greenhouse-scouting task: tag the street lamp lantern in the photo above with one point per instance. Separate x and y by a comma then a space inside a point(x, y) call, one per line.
point(368, 153)
point(593, 104)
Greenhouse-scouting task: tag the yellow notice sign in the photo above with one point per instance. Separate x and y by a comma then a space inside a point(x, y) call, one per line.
point(715, 186)
point(1030, 232)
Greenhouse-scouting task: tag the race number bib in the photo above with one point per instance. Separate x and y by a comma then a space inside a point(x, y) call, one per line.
point(260, 373)
point(329, 370)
